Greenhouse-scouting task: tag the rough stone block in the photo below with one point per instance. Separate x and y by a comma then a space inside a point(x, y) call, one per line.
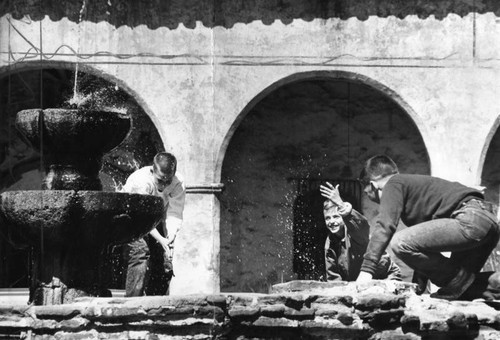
point(346, 318)
point(333, 329)
point(271, 299)
point(410, 323)
point(336, 299)
point(299, 314)
point(243, 300)
point(243, 313)
point(217, 300)
point(57, 311)
point(383, 301)
point(170, 313)
point(74, 323)
point(457, 320)
point(304, 286)
point(396, 334)
point(265, 321)
point(209, 312)
point(273, 311)
point(384, 318)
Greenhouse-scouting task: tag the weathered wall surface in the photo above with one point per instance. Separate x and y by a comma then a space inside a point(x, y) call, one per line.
point(197, 84)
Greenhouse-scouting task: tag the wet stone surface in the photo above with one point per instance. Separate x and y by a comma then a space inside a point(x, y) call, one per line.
point(381, 310)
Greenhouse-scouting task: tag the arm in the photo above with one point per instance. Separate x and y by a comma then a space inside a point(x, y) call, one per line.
point(174, 215)
point(136, 185)
point(357, 225)
point(331, 263)
point(387, 221)
point(163, 241)
point(331, 192)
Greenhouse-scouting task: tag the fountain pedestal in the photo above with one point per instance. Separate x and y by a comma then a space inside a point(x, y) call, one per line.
point(70, 224)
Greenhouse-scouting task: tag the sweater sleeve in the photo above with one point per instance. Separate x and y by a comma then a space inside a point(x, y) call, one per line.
point(357, 227)
point(386, 223)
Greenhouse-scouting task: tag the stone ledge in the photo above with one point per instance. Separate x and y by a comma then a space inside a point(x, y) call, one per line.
point(381, 311)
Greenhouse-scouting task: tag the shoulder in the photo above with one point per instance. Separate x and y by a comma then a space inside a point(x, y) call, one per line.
point(177, 187)
point(178, 178)
point(140, 176)
point(142, 171)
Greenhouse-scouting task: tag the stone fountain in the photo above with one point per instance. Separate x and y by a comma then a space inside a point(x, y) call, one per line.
point(70, 222)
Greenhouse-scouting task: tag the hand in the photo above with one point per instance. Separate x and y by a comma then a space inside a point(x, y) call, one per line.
point(165, 244)
point(363, 281)
point(332, 193)
point(170, 241)
point(364, 277)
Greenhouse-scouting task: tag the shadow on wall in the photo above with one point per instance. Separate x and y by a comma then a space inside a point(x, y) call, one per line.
point(226, 13)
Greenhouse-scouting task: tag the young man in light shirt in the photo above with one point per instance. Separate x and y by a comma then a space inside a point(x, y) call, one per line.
point(150, 258)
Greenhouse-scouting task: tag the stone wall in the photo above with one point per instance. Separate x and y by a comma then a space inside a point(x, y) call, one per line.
point(307, 310)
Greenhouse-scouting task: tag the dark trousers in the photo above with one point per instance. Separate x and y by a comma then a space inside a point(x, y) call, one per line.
point(470, 235)
point(149, 270)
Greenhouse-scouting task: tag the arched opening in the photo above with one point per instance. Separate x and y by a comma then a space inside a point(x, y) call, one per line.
point(303, 132)
point(51, 86)
point(490, 179)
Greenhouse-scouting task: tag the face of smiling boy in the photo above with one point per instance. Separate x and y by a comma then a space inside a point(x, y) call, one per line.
point(334, 221)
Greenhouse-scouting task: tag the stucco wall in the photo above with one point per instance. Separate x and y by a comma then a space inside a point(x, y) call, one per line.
point(198, 83)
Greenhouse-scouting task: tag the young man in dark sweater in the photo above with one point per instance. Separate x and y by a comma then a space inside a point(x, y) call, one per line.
point(442, 216)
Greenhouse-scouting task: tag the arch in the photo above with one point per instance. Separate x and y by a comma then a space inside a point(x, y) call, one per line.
point(38, 65)
point(484, 151)
point(316, 75)
point(294, 135)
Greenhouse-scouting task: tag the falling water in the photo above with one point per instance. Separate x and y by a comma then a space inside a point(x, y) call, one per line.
point(80, 17)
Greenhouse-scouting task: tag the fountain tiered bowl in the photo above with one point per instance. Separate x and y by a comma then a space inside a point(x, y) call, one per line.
point(70, 222)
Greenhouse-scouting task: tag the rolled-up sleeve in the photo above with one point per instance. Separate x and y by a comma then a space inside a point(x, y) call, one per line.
point(175, 209)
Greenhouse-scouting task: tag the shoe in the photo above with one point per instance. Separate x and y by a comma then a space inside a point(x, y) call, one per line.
point(456, 287)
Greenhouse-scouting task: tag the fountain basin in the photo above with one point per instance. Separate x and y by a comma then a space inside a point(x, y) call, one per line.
point(66, 132)
point(69, 230)
point(72, 142)
point(85, 218)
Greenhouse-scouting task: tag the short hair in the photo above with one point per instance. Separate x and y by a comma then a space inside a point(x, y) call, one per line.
point(328, 205)
point(378, 166)
point(166, 163)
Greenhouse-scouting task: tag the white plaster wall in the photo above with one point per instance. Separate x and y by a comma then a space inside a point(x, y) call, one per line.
point(194, 83)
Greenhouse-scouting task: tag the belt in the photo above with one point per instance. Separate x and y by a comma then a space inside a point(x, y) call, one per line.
point(477, 202)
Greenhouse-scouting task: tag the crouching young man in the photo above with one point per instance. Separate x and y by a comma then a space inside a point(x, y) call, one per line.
point(441, 216)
